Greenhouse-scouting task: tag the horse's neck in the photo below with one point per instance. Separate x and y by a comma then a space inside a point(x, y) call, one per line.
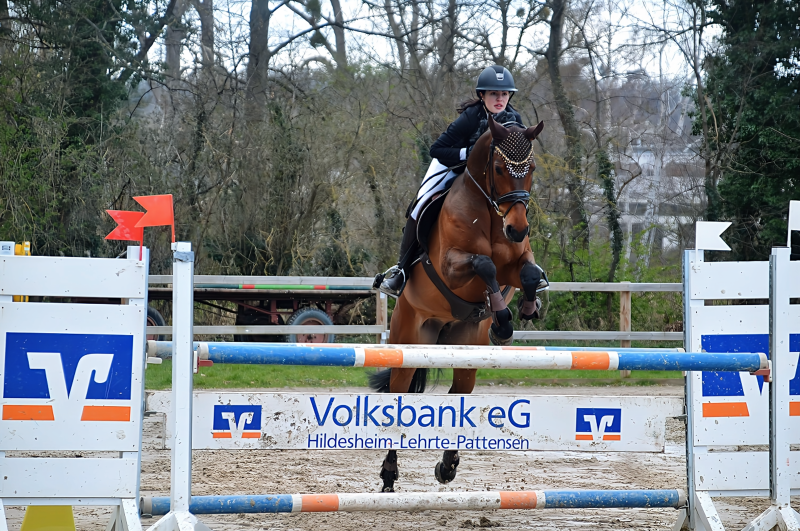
point(477, 187)
point(467, 202)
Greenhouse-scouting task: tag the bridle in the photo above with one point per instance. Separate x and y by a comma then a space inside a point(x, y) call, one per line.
point(514, 196)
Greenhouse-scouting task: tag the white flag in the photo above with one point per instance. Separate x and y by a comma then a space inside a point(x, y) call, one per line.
point(794, 220)
point(707, 235)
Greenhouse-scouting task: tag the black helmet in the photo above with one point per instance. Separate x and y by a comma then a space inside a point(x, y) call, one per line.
point(495, 78)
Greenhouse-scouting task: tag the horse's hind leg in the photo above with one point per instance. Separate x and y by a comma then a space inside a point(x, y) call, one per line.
point(399, 382)
point(389, 473)
point(463, 384)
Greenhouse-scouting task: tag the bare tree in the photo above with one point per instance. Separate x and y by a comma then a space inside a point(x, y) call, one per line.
point(685, 24)
point(508, 21)
point(205, 11)
point(174, 36)
point(313, 15)
point(566, 112)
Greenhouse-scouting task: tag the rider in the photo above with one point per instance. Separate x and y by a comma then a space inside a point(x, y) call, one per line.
point(494, 89)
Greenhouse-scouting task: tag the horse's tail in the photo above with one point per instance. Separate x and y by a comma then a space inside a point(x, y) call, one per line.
point(380, 380)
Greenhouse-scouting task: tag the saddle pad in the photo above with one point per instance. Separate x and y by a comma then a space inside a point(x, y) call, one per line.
point(427, 219)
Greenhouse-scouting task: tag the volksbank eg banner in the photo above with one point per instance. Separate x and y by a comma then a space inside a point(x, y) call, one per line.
point(426, 421)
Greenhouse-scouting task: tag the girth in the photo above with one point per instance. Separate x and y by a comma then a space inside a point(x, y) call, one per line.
point(469, 312)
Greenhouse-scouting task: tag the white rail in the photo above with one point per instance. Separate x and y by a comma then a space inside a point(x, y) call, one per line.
point(381, 329)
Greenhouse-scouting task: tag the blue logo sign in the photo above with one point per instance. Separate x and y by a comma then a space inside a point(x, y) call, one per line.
point(730, 383)
point(69, 371)
point(236, 422)
point(598, 424)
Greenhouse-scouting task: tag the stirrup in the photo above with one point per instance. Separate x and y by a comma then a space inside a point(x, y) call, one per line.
point(544, 284)
point(390, 277)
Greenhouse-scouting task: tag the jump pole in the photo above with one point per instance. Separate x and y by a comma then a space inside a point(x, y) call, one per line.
point(469, 357)
point(424, 501)
point(163, 349)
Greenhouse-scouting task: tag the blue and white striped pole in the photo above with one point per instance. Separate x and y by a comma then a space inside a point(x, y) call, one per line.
point(469, 357)
point(424, 501)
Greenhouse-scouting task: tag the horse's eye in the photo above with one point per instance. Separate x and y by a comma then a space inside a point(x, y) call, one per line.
point(498, 169)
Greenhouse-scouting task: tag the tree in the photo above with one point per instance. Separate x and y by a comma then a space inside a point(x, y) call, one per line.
point(566, 112)
point(753, 84)
point(65, 70)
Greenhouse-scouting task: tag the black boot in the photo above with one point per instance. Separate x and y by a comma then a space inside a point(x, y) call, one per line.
point(394, 279)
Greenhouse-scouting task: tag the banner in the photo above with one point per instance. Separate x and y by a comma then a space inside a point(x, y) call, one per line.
point(368, 421)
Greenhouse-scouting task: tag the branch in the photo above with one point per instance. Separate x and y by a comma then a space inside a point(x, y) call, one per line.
point(148, 43)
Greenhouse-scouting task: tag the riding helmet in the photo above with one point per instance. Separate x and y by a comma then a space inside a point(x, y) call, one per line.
point(495, 78)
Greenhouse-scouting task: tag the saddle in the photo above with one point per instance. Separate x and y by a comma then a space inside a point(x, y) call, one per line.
point(469, 312)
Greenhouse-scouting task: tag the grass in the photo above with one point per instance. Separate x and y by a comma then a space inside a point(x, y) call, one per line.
point(260, 376)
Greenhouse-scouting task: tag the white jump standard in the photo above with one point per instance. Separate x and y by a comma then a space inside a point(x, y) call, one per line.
point(72, 381)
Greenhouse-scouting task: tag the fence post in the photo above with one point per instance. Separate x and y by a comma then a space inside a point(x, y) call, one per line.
point(625, 320)
point(381, 315)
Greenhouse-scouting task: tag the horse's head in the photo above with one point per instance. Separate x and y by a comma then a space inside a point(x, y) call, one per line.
point(509, 175)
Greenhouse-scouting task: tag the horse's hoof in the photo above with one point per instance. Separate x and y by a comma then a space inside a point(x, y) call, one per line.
point(444, 475)
point(389, 474)
point(440, 477)
point(537, 312)
point(498, 341)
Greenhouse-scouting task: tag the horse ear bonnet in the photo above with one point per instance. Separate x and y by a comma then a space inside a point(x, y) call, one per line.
point(517, 152)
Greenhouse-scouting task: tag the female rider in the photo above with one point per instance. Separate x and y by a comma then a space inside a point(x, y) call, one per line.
point(494, 89)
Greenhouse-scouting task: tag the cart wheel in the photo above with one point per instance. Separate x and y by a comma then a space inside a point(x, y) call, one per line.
point(154, 318)
point(310, 316)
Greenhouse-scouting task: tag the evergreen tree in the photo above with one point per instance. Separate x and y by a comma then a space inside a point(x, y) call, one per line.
point(753, 86)
point(61, 84)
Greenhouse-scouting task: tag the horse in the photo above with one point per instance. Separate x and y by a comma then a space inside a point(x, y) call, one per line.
point(478, 243)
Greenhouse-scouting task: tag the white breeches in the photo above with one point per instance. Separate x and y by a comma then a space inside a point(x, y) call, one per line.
point(432, 184)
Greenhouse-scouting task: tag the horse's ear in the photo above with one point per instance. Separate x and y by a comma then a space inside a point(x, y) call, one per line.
point(499, 133)
point(532, 132)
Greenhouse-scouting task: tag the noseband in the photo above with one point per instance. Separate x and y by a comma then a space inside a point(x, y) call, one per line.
point(518, 161)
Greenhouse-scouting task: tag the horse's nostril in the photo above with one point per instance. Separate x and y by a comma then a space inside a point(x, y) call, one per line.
point(515, 235)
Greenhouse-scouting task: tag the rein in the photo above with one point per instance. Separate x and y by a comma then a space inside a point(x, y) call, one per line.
point(513, 197)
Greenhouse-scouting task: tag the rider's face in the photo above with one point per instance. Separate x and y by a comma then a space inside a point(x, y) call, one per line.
point(496, 100)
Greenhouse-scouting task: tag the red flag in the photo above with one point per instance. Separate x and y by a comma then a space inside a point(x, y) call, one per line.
point(159, 211)
point(126, 226)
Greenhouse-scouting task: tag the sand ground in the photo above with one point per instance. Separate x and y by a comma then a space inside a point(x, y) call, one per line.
point(265, 472)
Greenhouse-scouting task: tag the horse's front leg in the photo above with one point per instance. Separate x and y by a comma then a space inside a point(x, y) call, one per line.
point(530, 276)
point(460, 267)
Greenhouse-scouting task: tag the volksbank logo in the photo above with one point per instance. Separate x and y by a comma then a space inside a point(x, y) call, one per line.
point(362, 413)
point(723, 388)
point(48, 377)
point(598, 424)
point(236, 422)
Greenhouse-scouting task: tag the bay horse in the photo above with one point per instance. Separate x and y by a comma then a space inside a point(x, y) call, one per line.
point(471, 252)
